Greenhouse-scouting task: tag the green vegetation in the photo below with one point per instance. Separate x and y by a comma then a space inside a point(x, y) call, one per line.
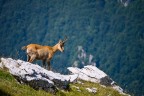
point(10, 87)
point(101, 91)
point(112, 33)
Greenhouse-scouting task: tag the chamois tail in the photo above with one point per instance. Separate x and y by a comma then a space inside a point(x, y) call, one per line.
point(24, 48)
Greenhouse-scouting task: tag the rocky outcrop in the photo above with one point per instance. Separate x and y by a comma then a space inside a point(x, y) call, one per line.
point(93, 74)
point(42, 79)
point(36, 76)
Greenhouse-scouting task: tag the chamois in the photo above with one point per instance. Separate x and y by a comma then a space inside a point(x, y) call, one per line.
point(44, 53)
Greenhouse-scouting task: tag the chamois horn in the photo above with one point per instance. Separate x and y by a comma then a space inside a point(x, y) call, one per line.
point(65, 39)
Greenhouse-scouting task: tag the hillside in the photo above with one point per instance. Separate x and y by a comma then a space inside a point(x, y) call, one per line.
point(107, 33)
point(21, 78)
point(10, 87)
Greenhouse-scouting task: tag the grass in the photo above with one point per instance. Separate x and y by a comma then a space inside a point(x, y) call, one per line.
point(10, 87)
point(101, 91)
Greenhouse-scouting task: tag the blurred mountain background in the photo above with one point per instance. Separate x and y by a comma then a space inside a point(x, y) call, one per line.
point(105, 33)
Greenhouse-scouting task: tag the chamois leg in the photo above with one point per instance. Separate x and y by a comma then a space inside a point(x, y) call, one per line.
point(32, 58)
point(28, 58)
point(48, 62)
point(43, 63)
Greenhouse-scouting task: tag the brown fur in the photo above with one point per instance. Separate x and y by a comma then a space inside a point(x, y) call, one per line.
point(44, 53)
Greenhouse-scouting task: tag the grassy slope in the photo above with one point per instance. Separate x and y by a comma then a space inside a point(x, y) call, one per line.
point(10, 87)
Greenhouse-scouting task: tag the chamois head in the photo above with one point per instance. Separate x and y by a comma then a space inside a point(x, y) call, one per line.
point(61, 44)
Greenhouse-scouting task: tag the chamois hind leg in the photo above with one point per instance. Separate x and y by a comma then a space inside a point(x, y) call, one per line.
point(43, 63)
point(32, 58)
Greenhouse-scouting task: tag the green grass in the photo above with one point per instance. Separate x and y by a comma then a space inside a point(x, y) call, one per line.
point(10, 87)
point(101, 91)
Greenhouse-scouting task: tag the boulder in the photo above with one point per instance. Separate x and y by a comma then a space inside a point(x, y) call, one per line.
point(93, 74)
point(36, 76)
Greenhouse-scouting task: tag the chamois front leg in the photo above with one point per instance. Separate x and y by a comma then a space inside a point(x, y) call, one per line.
point(48, 62)
point(28, 58)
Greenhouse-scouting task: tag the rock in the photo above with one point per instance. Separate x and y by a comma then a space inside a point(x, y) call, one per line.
point(62, 84)
point(38, 84)
point(92, 90)
point(42, 79)
point(93, 74)
point(106, 81)
point(79, 82)
point(119, 89)
point(42, 85)
point(78, 89)
point(88, 73)
point(36, 76)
